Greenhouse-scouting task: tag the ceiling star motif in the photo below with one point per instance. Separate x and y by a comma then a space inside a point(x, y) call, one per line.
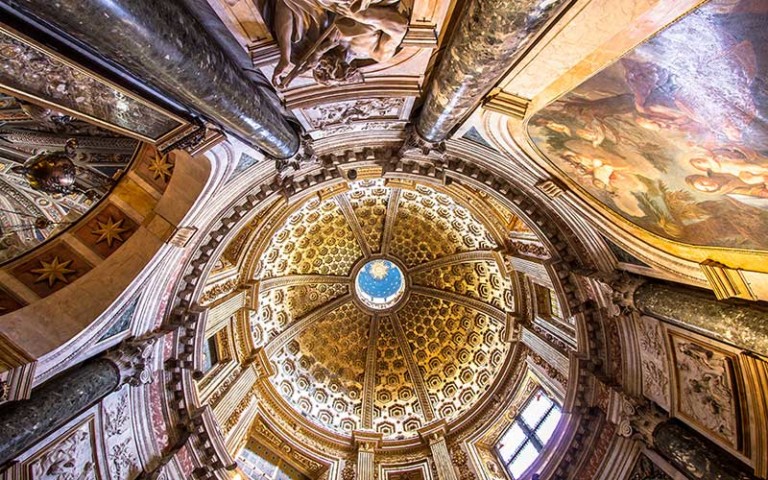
point(110, 231)
point(53, 271)
point(344, 365)
point(161, 167)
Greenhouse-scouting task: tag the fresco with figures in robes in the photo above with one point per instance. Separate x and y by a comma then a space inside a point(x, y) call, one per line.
point(673, 136)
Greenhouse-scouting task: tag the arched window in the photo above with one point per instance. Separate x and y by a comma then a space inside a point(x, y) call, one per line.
point(528, 435)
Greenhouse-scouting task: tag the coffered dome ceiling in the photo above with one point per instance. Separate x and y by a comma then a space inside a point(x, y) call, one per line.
point(429, 351)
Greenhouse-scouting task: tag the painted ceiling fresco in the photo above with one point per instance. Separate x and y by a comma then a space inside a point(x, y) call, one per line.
point(673, 136)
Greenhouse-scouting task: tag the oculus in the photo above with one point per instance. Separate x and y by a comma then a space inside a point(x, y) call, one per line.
point(379, 284)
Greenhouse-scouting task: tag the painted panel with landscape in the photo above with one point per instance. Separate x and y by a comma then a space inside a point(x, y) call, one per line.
point(673, 136)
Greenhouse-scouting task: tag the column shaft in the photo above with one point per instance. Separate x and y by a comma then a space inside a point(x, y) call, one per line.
point(442, 458)
point(732, 321)
point(53, 404)
point(163, 44)
point(696, 457)
point(490, 34)
point(365, 466)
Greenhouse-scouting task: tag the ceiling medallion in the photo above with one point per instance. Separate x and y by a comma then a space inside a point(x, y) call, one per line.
point(379, 284)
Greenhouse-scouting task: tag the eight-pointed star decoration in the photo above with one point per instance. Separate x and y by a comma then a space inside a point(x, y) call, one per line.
point(53, 271)
point(161, 167)
point(110, 231)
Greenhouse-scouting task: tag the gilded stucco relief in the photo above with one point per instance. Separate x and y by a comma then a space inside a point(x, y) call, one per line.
point(37, 73)
point(396, 406)
point(706, 389)
point(316, 239)
point(480, 280)
point(431, 225)
point(459, 367)
point(431, 356)
point(282, 306)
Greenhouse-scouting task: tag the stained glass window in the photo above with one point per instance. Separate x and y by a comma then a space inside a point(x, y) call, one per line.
point(529, 434)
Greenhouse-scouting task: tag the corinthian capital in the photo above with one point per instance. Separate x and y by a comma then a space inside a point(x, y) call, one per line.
point(134, 359)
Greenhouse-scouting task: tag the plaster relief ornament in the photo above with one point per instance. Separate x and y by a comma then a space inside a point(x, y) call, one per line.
point(334, 38)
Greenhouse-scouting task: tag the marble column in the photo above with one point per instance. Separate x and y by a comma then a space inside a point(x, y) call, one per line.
point(60, 399)
point(166, 46)
point(736, 322)
point(489, 36)
point(442, 458)
point(695, 456)
point(53, 404)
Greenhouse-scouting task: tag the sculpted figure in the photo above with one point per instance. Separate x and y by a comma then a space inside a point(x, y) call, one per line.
point(333, 37)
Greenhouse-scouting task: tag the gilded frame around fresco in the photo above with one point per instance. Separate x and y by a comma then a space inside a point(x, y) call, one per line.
point(33, 97)
point(725, 258)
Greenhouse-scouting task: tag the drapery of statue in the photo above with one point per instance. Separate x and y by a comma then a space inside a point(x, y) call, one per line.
point(334, 38)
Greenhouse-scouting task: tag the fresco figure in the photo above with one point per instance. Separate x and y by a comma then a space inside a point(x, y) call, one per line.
point(674, 135)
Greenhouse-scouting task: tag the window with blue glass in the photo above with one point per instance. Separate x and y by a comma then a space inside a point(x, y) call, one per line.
point(210, 354)
point(526, 438)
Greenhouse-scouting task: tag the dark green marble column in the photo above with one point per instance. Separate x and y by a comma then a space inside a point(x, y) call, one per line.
point(162, 43)
point(489, 36)
point(53, 404)
point(695, 456)
point(737, 322)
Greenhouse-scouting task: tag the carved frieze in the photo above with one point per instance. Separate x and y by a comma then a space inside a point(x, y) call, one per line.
point(706, 390)
point(653, 357)
point(72, 458)
point(345, 113)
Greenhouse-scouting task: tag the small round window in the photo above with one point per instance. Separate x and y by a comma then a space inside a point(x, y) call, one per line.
point(379, 284)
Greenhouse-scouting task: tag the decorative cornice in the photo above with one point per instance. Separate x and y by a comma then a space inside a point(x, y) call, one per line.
point(726, 282)
point(507, 104)
point(456, 258)
point(294, 280)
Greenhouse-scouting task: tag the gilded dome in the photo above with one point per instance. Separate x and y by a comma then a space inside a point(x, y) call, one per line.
point(432, 345)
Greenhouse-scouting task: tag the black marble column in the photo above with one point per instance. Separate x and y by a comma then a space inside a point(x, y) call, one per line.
point(488, 38)
point(696, 457)
point(737, 322)
point(53, 404)
point(162, 43)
